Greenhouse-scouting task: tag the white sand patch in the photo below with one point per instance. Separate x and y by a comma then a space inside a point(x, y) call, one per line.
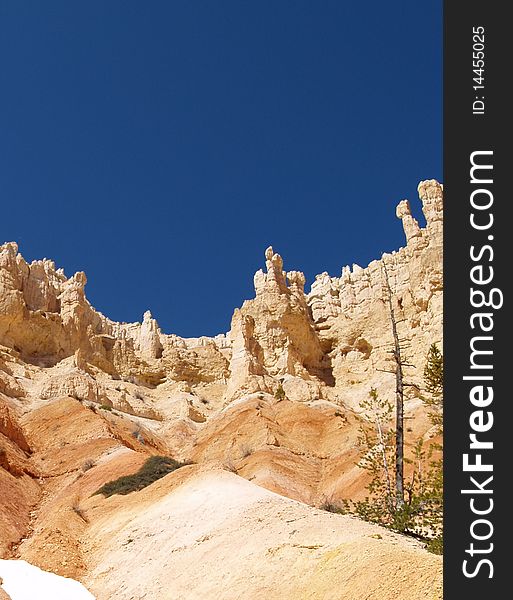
point(23, 581)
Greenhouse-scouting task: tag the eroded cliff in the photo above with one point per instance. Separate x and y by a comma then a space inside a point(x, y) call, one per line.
point(84, 399)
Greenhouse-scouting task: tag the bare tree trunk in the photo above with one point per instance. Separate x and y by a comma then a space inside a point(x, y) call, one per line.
point(399, 400)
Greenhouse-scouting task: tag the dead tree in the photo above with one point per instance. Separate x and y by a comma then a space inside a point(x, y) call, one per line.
point(399, 396)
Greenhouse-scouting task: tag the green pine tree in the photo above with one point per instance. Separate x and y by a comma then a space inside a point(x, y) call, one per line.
point(433, 493)
point(434, 381)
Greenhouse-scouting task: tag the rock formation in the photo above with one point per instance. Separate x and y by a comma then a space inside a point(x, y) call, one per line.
point(273, 335)
point(84, 399)
point(329, 343)
point(352, 318)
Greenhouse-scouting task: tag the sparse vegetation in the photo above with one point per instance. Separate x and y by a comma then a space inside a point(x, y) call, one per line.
point(245, 450)
point(420, 513)
point(153, 469)
point(279, 394)
point(88, 464)
point(230, 466)
point(79, 512)
point(341, 416)
point(137, 434)
point(434, 381)
point(106, 407)
point(340, 507)
point(377, 460)
point(436, 545)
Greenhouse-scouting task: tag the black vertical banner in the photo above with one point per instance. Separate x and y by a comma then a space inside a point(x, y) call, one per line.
point(478, 422)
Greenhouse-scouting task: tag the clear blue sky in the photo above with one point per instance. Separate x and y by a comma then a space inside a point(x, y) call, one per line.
point(162, 146)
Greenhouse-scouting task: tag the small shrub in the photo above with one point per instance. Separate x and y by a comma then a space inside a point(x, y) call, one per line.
point(245, 450)
point(279, 394)
point(80, 512)
point(340, 508)
point(106, 407)
point(436, 545)
point(137, 434)
point(230, 466)
point(88, 464)
point(341, 415)
point(153, 469)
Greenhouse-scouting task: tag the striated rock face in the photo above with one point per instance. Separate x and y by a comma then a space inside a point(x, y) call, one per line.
point(330, 343)
point(9, 427)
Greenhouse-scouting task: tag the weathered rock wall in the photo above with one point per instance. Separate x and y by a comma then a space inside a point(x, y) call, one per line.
point(331, 343)
point(351, 312)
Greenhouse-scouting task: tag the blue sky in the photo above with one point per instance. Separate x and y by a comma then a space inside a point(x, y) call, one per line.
point(162, 146)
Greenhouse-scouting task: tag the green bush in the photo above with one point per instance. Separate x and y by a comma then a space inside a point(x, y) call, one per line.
point(153, 469)
point(279, 394)
point(436, 545)
point(339, 508)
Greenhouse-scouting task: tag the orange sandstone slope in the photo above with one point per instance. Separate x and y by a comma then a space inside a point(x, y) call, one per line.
point(84, 400)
